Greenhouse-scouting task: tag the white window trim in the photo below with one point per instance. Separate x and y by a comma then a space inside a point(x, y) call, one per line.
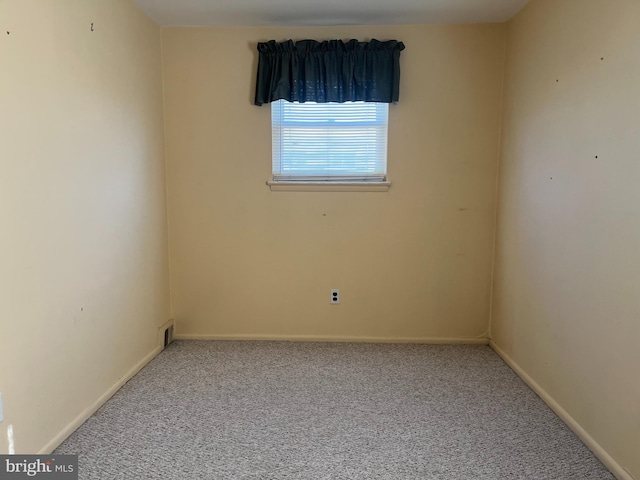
point(284, 186)
point(317, 183)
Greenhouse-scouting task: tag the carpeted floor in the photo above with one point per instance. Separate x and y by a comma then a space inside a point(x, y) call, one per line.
point(279, 410)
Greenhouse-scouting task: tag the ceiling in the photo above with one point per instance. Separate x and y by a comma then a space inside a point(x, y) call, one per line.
point(326, 12)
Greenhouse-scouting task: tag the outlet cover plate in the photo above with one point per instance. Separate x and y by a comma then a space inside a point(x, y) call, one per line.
point(335, 296)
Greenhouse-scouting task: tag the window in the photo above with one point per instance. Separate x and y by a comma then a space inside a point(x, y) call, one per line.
point(329, 142)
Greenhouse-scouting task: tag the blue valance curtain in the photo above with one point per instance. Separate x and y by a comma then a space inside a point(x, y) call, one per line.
point(330, 71)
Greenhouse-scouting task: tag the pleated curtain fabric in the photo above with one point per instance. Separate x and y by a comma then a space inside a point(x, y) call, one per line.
point(329, 71)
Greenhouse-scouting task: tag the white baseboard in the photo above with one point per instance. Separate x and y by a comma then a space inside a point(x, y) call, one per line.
point(336, 338)
point(80, 419)
point(615, 468)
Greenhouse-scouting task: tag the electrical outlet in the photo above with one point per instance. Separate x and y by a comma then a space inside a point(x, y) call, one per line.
point(335, 296)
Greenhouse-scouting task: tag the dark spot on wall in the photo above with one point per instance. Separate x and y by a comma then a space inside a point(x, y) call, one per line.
point(8, 32)
point(596, 156)
point(92, 26)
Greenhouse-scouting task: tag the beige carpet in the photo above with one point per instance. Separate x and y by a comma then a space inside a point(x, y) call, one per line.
point(278, 410)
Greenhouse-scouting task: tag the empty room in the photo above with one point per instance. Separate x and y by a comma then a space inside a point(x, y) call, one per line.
point(320, 240)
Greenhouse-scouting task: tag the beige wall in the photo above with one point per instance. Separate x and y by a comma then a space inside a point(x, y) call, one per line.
point(567, 277)
point(411, 263)
point(83, 277)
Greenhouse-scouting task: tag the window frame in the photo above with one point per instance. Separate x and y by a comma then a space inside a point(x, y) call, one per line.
point(329, 180)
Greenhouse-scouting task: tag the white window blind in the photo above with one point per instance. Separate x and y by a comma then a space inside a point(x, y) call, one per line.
point(329, 141)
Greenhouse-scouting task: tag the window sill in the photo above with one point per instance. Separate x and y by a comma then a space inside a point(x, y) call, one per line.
point(328, 186)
